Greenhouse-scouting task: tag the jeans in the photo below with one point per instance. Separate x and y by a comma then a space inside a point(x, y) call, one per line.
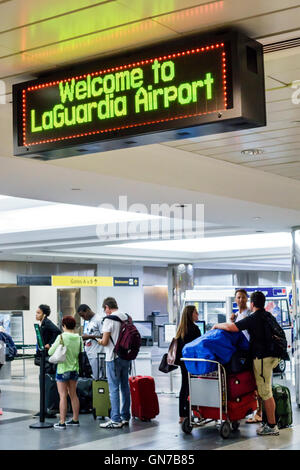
point(117, 376)
point(95, 367)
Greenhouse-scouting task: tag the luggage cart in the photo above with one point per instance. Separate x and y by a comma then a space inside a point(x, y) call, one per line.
point(208, 402)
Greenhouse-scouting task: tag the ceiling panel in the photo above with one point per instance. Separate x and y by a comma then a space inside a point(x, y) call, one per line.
point(282, 105)
point(237, 157)
point(17, 13)
point(79, 24)
point(272, 23)
point(232, 11)
point(279, 94)
point(273, 161)
point(85, 48)
point(21, 64)
point(224, 147)
point(154, 8)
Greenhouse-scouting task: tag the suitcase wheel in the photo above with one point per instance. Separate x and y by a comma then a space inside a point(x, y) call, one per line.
point(186, 426)
point(225, 430)
point(235, 425)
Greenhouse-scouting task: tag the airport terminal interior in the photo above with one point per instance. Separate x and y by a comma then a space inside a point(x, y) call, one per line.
point(150, 152)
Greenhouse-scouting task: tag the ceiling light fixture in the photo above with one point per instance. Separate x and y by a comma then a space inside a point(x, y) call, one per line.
point(252, 152)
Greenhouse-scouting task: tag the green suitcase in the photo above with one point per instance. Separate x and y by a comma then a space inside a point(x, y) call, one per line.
point(284, 413)
point(101, 400)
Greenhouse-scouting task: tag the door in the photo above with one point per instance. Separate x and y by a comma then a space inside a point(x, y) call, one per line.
point(68, 301)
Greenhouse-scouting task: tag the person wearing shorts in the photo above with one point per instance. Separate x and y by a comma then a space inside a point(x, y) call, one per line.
point(263, 364)
point(67, 372)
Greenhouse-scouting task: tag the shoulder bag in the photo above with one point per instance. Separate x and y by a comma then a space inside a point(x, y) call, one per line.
point(59, 356)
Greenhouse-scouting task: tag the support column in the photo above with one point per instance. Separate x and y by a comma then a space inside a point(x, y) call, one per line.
point(296, 306)
point(180, 279)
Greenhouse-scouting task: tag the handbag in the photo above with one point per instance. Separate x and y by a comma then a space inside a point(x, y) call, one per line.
point(171, 356)
point(60, 353)
point(85, 369)
point(164, 366)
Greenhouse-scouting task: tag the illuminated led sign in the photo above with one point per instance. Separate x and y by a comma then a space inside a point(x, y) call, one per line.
point(146, 94)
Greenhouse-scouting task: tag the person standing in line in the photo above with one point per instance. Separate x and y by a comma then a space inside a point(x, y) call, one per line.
point(49, 333)
point(117, 368)
point(241, 298)
point(187, 331)
point(67, 372)
point(92, 333)
point(263, 362)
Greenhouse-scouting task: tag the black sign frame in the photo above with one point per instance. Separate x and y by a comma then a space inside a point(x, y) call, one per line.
point(245, 106)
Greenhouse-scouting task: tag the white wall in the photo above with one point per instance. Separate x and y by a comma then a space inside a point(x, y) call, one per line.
point(130, 299)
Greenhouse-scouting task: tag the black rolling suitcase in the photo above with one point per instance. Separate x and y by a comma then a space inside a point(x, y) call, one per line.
point(51, 395)
point(85, 395)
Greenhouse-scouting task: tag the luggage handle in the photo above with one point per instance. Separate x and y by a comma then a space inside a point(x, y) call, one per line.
point(101, 366)
point(133, 369)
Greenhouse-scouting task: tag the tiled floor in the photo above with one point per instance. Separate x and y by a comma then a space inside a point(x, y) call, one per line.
point(20, 399)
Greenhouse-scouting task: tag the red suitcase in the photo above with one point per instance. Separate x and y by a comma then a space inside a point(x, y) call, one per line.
point(236, 409)
point(240, 384)
point(241, 407)
point(144, 401)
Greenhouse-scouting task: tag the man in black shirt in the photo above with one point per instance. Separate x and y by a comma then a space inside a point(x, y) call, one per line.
point(263, 364)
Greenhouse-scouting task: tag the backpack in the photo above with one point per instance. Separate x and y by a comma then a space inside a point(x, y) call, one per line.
point(11, 350)
point(276, 343)
point(129, 340)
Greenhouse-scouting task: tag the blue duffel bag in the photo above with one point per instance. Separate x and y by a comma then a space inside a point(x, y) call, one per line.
point(215, 345)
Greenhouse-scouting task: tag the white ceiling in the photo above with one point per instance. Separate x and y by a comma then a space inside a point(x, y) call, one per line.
point(38, 36)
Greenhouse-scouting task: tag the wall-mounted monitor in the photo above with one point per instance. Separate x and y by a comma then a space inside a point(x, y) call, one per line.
point(169, 332)
point(14, 298)
point(165, 335)
point(145, 329)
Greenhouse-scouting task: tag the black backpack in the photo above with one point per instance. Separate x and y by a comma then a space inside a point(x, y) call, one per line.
point(276, 343)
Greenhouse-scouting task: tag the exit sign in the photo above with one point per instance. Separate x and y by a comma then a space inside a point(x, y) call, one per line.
point(184, 88)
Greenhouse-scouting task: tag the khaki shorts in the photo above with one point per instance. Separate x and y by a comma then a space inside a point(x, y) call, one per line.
point(264, 387)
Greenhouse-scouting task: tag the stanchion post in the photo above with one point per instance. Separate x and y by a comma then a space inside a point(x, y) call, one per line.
point(41, 423)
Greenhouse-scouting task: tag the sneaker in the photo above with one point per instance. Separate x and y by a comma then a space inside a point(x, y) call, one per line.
point(60, 426)
point(73, 423)
point(268, 431)
point(125, 422)
point(111, 425)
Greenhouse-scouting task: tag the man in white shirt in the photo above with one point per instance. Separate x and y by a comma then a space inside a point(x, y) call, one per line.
point(241, 298)
point(117, 368)
point(92, 333)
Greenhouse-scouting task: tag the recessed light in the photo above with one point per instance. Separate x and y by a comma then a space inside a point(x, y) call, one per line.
point(257, 218)
point(252, 152)
point(75, 189)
